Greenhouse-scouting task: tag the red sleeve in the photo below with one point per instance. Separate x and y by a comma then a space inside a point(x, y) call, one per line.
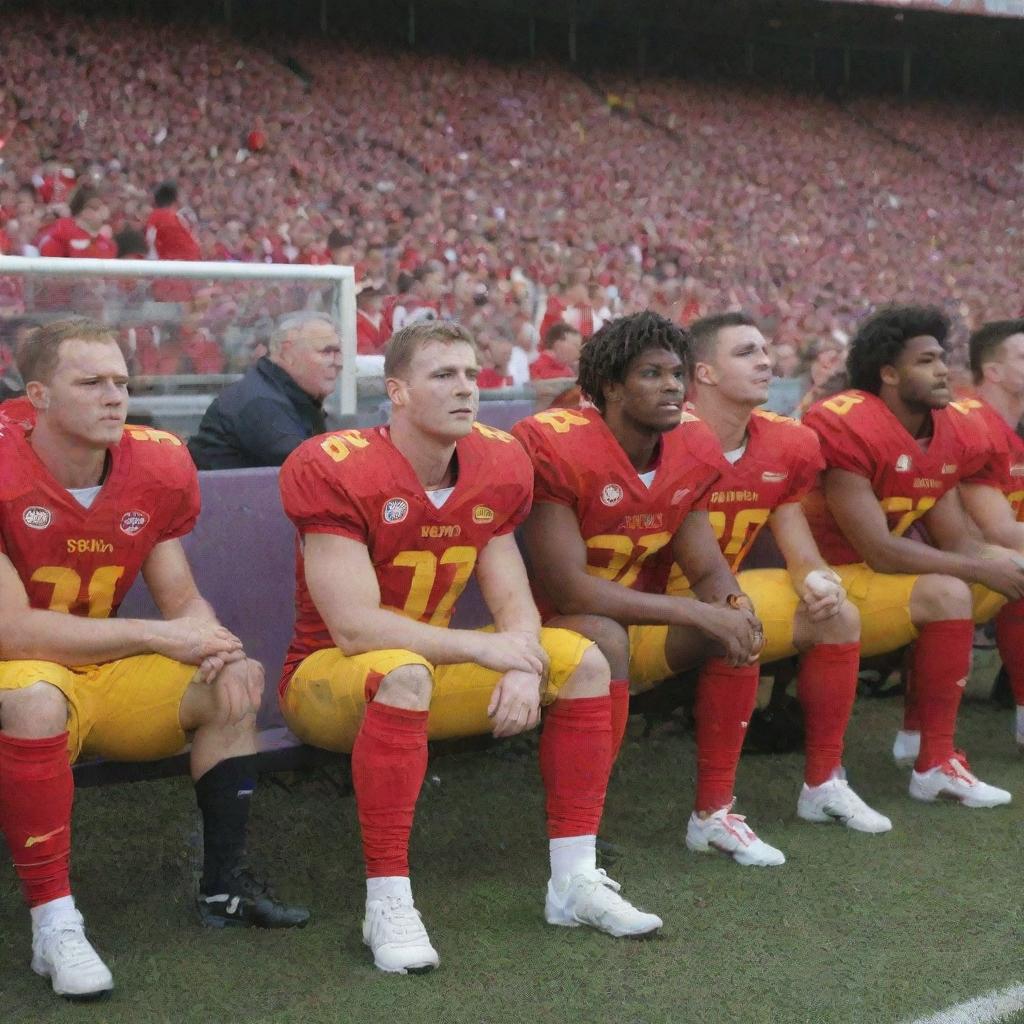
point(807, 464)
point(314, 495)
point(842, 446)
point(52, 242)
point(553, 479)
point(524, 478)
point(185, 516)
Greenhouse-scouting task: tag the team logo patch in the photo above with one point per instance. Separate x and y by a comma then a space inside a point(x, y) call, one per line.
point(773, 478)
point(36, 517)
point(134, 521)
point(679, 495)
point(903, 464)
point(483, 514)
point(611, 494)
point(949, 467)
point(394, 510)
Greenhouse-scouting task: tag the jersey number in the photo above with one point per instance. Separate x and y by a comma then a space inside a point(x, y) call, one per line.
point(424, 565)
point(627, 558)
point(67, 586)
point(745, 528)
point(911, 510)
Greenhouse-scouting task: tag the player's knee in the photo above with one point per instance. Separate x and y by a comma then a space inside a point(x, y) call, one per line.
point(843, 627)
point(591, 677)
point(936, 598)
point(611, 639)
point(35, 712)
point(408, 686)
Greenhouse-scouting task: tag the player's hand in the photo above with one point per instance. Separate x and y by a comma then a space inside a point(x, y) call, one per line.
point(738, 631)
point(822, 594)
point(515, 703)
point(1003, 573)
point(512, 651)
point(192, 640)
point(237, 690)
point(210, 667)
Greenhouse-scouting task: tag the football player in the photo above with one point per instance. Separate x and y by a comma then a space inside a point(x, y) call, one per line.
point(85, 505)
point(392, 524)
point(997, 364)
point(615, 485)
point(895, 450)
point(773, 463)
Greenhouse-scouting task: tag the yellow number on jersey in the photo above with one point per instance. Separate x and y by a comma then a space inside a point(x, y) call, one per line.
point(627, 558)
point(339, 445)
point(492, 433)
point(561, 421)
point(965, 405)
point(424, 565)
point(745, 527)
point(151, 434)
point(912, 511)
point(67, 585)
point(842, 404)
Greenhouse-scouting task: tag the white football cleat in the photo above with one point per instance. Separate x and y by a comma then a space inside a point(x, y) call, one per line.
point(593, 899)
point(834, 800)
point(62, 953)
point(393, 929)
point(954, 780)
point(730, 834)
point(906, 747)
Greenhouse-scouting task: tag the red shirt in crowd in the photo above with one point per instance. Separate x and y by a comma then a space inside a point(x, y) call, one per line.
point(65, 238)
point(547, 367)
point(169, 235)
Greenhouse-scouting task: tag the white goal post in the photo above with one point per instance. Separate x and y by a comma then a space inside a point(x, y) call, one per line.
point(340, 304)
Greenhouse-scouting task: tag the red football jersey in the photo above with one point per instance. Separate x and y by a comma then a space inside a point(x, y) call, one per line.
point(860, 434)
point(83, 560)
point(578, 462)
point(169, 235)
point(780, 465)
point(356, 483)
point(65, 238)
point(1008, 466)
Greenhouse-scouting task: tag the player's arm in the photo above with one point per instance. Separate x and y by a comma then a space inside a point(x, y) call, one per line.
point(37, 634)
point(813, 579)
point(988, 507)
point(696, 551)
point(515, 703)
point(343, 585)
point(859, 515)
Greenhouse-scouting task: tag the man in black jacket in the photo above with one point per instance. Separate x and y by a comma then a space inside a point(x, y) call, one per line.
point(278, 404)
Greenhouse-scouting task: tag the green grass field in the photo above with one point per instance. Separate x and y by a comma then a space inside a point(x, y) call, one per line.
point(853, 928)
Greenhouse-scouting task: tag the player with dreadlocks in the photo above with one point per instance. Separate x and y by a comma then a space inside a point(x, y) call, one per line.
point(895, 449)
point(614, 485)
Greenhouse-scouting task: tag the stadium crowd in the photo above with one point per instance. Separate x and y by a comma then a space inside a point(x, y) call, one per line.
point(511, 196)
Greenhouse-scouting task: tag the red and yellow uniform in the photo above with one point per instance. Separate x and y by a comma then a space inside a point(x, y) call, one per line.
point(780, 465)
point(357, 484)
point(82, 561)
point(1007, 468)
point(859, 434)
point(623, 520)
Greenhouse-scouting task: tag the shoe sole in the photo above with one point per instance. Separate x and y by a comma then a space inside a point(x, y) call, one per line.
point(973, 805)
point(75, 997)
point(212, 921)
point(573, 923)
point(823, 817)
point(735, 856)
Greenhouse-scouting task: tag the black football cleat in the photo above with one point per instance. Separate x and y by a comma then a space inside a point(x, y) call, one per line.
point(248, 902)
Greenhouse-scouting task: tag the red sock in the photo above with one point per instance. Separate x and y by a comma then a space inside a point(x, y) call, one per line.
point(942, 660)
point(827, 687)
point(389, 761)
point(619, 692)
point(725, 702)
point(1010, 639)
point(36, 793)
point(575, 761)
point(911, 714)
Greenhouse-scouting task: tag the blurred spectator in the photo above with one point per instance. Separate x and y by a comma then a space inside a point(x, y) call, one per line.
point(370, 336)
point(168, 232)
point(421, 302)
point(278, 403)
point(130, 244)
point(560, 354)
point(824, 361)
point(86, 233)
